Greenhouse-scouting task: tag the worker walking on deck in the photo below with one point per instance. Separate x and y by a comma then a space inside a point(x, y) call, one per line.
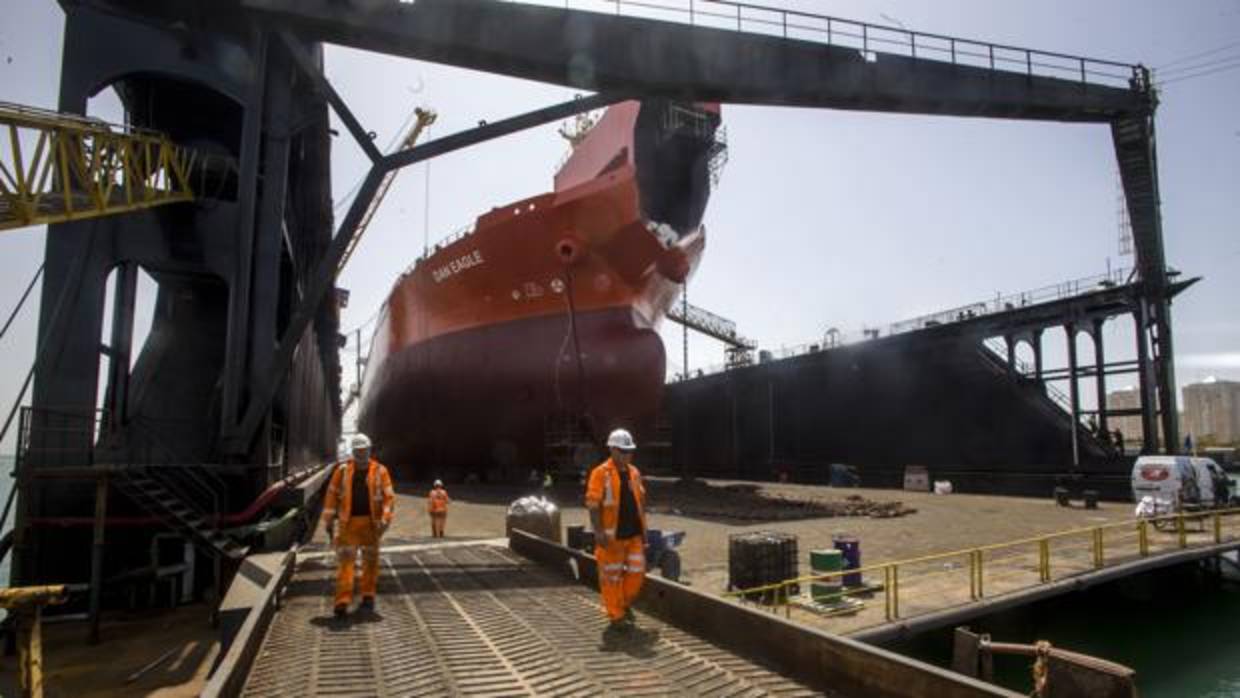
point(361, 498)
point(616, 499)
point(437, 506)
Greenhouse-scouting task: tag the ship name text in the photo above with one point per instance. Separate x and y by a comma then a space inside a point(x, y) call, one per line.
point(457, 266)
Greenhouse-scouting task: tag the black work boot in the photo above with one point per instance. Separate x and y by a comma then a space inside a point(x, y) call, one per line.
point(341, 610)
point(368, 603)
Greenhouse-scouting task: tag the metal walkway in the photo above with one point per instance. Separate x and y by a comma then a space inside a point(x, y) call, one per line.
point(73, 167)
point(481, 620)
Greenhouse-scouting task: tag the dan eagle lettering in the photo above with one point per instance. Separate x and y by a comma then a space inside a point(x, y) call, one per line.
point(457, 265)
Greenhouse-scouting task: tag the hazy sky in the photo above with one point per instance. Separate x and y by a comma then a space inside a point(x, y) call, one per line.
point(822, 218)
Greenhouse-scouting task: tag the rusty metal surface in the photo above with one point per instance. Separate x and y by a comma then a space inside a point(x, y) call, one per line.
point(480, 620)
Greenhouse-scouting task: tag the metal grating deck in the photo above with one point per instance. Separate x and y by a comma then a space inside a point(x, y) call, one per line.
point(480, 620)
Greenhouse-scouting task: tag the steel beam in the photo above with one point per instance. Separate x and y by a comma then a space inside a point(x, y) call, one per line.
point(1074, 394)
point(603, 52)
point(1145, 373)
point(1164, 371)
point(490, 131)
point(236, 338)
point(121, 344)
point(312, 71)
point(1100, 379)
point(1036, 342)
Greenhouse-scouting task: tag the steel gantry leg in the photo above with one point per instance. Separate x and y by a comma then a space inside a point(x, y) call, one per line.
point(1074, 393)
point(1145, 369)
point(1100, 377)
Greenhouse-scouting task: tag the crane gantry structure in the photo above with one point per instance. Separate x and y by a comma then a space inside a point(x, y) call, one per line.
point(58, 167)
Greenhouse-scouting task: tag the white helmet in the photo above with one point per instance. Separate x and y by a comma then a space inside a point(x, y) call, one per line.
point(621, 439)
point(360, 441)
point(439, 483)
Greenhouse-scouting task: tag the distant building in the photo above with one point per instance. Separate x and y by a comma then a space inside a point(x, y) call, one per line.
point(1126, 399)
point(1212, 413)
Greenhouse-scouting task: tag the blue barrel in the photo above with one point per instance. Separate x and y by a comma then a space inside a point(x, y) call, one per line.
point(850, 548)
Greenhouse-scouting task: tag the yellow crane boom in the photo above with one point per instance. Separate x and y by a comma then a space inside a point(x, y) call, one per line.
point(423, 119)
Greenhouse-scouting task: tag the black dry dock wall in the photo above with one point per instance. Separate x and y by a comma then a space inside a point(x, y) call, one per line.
point(881, 406)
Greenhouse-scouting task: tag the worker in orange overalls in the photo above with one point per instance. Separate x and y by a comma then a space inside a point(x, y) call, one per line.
point(437, 506)
point(361, 498)
point(616, 499)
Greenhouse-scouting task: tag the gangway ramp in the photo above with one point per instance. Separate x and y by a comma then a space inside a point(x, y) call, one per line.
point(482, 619)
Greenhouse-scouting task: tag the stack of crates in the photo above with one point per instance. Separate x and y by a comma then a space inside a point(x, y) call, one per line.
point(821, 562)
point(761, 558)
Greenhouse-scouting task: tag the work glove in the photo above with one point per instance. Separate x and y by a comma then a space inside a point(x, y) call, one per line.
point(330, 529)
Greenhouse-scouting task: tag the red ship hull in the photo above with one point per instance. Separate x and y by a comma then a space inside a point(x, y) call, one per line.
point(443, 413)
point(550, 306)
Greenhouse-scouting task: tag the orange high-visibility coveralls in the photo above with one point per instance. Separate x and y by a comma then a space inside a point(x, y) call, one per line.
point(437, 506)
point(358, 532)
point(622, 563)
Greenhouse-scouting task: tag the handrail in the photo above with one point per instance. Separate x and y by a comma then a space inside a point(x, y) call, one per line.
point(779, 592)
point(972, 311)
point(192, 484)
point(1055, 292)
point(83, 434)
point(231, 519)
point(1026, 372)
point(997, 346)
point(872, 39)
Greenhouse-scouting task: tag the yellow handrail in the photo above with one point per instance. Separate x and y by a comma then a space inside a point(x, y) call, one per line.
point(1132, 530)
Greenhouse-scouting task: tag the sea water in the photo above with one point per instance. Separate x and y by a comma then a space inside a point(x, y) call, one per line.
point(1179, 629)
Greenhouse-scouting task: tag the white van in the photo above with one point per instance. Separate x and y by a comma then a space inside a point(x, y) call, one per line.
point(1177, 482)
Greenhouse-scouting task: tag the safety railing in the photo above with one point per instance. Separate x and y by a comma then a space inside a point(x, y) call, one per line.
point(55, 438)
point(58, 437)
point(871, 40)
point(941, 581)
point(998, 348)
point(999, 304)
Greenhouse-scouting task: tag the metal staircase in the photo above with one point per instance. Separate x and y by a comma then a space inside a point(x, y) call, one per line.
point(196, 524)
point(189, 498)
point(1135, 150)
point(1134, 142)
point(1046, 397)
